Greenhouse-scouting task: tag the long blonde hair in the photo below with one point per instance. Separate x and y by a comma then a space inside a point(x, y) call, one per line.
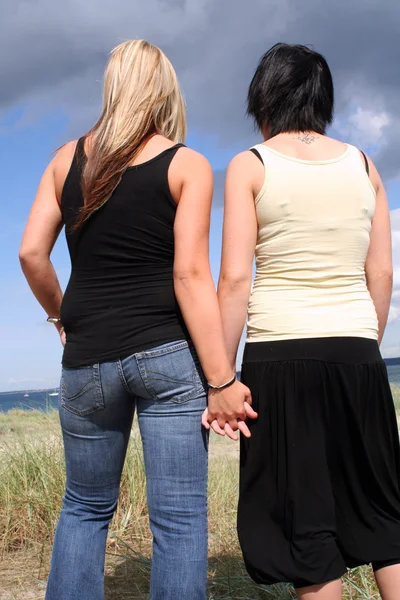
point(141, 98)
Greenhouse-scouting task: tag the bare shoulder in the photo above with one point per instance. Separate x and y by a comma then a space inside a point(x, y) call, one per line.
point(245, 161)
point(65, 154)
point(245, 173)
point(193, 160)
point(189, 168)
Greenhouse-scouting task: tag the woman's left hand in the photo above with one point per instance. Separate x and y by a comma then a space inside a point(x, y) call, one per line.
point(250, 413)
point(61, 333)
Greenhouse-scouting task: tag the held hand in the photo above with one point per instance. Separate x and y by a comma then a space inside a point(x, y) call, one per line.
point(251, 414)
point(228, 410)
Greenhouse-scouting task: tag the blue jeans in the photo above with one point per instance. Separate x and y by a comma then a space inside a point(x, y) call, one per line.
point(96, 409)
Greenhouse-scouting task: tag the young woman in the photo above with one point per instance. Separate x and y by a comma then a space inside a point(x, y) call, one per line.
point(136, 204)
point(319, 480)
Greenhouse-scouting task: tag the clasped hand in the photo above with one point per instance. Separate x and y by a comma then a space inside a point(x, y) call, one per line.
point(228, 410)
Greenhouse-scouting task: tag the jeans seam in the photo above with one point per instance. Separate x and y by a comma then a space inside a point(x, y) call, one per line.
point(162, 351)
point(143, 376)
point(121, 374)
point(99, 389)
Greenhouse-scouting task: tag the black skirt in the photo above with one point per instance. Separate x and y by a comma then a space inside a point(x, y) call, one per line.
point(320, 475)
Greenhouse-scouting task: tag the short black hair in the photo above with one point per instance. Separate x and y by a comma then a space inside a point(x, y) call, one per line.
point(292, 90)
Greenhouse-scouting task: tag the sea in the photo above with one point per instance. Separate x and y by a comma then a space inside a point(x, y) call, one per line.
point(45, 400)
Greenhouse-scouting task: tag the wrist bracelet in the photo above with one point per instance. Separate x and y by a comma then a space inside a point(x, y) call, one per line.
point(224, 385)
point(53, 320)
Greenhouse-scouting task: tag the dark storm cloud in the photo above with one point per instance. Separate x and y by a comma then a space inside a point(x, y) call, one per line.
point(56, 57)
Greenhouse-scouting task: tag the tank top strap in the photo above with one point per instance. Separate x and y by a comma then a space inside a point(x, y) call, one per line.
point(256, 153)
point(169, 154)
point(161, 162)
point(359, 163)
point(265, 157)
point(268, 158)
point(358, 158)
point(262, 153)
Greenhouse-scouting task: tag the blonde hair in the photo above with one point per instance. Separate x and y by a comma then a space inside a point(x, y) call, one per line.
point(142, 97)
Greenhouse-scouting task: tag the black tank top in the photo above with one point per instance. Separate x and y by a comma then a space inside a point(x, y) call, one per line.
point(120, 298)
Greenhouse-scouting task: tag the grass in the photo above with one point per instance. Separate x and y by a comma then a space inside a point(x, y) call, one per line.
point(396, 398)
point(31, 487)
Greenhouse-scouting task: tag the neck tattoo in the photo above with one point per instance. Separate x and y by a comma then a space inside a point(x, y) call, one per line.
point(306, 138)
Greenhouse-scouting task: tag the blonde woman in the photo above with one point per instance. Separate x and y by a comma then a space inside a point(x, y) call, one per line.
point(135, 204)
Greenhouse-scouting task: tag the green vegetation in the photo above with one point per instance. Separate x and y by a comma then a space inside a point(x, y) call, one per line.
point(31, 487)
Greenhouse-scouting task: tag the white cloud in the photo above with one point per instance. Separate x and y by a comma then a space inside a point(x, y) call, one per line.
point(369, 125)
point(214, 46)
point(364, 126)
point(58, 56)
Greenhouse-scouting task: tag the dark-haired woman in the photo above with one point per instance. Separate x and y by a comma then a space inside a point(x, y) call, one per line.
point(319, 479)
point(136, 206)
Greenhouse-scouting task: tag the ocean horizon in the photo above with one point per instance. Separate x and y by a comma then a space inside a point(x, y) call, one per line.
point(43, 400)
point(47, 399)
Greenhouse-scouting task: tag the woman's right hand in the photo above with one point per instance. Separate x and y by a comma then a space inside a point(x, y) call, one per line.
point(228, 410)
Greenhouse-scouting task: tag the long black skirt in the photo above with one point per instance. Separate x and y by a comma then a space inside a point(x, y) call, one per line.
point(320, 475)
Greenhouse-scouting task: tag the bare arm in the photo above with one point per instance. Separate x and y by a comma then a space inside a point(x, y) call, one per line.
point(192, 182)
point(378, 266)
point(239, 241)
point(42, 230)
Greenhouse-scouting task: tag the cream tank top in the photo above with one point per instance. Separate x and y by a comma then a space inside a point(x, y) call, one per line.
point(314, 223)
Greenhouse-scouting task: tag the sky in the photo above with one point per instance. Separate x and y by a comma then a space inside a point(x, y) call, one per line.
point(52, 58)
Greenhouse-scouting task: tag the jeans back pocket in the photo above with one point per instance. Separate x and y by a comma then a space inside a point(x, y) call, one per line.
point(81, 390)
point(172, 373)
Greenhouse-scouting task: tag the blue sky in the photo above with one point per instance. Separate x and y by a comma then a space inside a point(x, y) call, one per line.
point(30, 351)
point(51, 87)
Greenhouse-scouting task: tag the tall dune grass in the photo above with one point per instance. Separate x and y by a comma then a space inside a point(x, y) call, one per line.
point(31, 487)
